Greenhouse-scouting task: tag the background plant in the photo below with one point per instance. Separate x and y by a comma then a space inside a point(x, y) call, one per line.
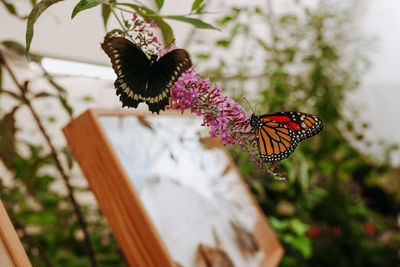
point(56, 229)
point(338, 207)
point(335, 209)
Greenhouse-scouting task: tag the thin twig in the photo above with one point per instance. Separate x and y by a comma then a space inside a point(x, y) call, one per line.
point(119, 21)
point(58, 164)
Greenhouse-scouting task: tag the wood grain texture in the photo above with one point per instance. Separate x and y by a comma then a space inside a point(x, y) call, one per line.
point(115, 195)
point(130, 223)
point(12, 253)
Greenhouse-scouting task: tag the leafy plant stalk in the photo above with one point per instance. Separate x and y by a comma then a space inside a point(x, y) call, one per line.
point(57, 162)
point(117, 18)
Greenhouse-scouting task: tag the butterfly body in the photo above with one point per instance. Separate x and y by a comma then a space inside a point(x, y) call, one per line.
point(140, 79)
point(278, 134)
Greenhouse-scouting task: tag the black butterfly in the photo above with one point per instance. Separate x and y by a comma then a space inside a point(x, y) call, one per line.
point(140, 79)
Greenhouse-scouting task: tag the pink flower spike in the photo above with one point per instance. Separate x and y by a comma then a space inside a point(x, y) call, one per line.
point(153, 24)
point(225, 118)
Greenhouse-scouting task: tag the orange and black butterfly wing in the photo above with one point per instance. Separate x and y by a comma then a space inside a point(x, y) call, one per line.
point(303, 124)
point(275, 141)
point(132, 68)
point(279, 133)
point(164, 73)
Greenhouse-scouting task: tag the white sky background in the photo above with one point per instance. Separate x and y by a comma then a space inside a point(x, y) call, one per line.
point(56, 35)
point(379, 92)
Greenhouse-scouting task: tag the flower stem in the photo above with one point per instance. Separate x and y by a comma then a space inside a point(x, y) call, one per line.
point(119, 21)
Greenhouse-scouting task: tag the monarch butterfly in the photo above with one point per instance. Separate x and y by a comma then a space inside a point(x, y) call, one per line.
point(279, 133)
point(140, 79)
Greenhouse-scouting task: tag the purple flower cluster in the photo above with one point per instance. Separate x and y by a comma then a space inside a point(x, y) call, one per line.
point(143, 35)
point(225, 117)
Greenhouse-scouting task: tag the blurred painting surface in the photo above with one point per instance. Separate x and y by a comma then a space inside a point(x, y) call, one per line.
point(189, 187)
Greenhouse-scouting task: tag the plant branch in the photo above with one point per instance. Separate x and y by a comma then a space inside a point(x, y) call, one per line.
point(119, 21)
point(57, 162)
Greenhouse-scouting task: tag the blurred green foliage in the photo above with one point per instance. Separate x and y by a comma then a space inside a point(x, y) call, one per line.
point(43, 216)
point(336, 208)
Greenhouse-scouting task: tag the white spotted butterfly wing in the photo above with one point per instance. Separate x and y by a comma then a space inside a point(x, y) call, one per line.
point(140, 79)
point(279, 133)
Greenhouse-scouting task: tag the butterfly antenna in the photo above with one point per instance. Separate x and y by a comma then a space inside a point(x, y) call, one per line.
point(248, 103)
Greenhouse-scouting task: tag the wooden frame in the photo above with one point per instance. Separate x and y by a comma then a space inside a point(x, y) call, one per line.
point(120, 203)
point(12, 253)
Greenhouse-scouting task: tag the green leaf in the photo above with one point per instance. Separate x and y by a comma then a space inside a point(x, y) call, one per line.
point(298, 226)
point(33, 16)
point(196, 5)
point(42, 94)
point(203, 56)
point(20, 49)
point(225, 20)
point(69, 157)
point(224, 43)
point(300, 243)
point(113, 31)
point(105, 13)
point(43, 183)
point(127, 24)
point(46, 217)
point(145, 12)
point(167, 32)
point(235, 30)
point(7, 138)
point(160, 4)
point(195, 22)
point(278, 225)
point(258, 10)
point(26, 169)
point(85, 4)
point(58, 87)
point(88, 98)
point(14, 46)
point(10, 7)
point(65, 105)
point(263, 45)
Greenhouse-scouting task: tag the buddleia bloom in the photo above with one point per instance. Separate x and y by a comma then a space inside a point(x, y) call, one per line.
point(225, 118)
